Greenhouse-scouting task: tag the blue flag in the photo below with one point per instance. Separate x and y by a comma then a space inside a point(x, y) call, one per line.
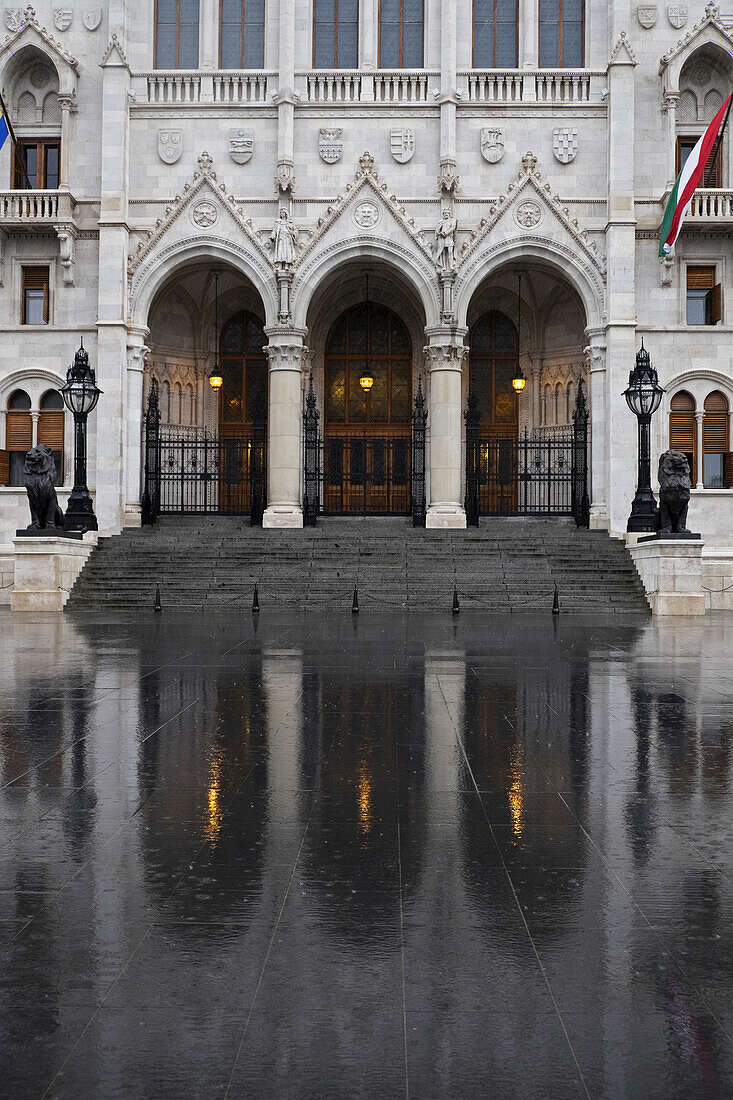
point(4, 129)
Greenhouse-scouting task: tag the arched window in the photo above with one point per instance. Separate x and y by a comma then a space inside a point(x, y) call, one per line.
point(715, 442)
point(558, 403)
point(682, 428)
point(51, 429)
point(177, 410)
point(493, 361)
point(190, 416)
point(375, 329)
point(495, 34)
point(177, 34)
point(335, 34)
point(244, 370)
point(569, 403)
point(242, 34)
point(18, 438)
point(400, 34)
point(561, 34)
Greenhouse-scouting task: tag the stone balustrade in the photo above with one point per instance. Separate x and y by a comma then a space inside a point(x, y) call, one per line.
point(535, 86)
point(712, 205)
point(402, 86)
point(226, 86)
point(35, 208)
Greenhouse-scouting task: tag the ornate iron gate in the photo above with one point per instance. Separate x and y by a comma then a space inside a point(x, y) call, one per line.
point(539, 473)
point(189, 471)
point(360, 474)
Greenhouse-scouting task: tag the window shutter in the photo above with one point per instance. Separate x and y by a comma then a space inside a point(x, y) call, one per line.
point(700, 278)
point(4, 467)
point(682, 432)
point(51, 430)
point(711, 175)
point(728, 470)
point(716, 311)
point(19, 431)
point(715, 433)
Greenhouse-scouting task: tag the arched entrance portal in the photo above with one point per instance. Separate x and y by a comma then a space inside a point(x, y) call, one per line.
point(205, 451)
point(367, 429)
point(526, 452)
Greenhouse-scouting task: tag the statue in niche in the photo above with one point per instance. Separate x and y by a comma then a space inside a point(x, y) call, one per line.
point(674, 493)
point(40, 473)
point(445, 242)
point(284, 238)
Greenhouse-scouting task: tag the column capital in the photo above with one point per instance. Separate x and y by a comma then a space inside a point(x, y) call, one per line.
point(286, 349)
point(446, 349)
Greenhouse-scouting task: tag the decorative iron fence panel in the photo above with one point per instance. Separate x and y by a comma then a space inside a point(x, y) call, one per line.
point(366, 475)
point(191, 472)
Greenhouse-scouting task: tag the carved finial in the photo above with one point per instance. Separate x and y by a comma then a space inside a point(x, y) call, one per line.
point(529, 163)
point(205, 162)
point(712, 10)
point(366, 160)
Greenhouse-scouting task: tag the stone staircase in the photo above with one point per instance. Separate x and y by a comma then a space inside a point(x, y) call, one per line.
point(213, 563)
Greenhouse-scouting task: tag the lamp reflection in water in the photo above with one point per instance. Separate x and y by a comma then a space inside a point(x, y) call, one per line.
point(515, 793)
point(364, 798)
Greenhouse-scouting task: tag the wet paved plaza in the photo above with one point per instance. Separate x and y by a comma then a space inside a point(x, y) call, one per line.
point(330, 856)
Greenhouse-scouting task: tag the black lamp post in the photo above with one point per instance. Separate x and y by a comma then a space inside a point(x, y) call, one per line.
point(80, 395)
point(643, 396)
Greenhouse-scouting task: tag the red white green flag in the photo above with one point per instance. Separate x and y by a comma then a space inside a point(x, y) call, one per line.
point(688, 181)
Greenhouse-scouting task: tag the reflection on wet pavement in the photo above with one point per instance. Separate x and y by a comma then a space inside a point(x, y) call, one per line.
point(317, 857)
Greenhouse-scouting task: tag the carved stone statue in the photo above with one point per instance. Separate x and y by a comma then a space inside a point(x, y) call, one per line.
point(284, 238)
point(445, 241)
point(674, 492)
point(40, 472)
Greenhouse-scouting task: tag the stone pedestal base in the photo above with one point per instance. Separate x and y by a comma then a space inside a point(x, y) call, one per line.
point(133, 516)
point(282, 516)
point(45, 570)
point(445, 516)
point(671, 572)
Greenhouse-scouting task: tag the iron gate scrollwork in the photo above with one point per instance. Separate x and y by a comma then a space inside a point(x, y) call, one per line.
point(543, 472)
point(311, 460)
point(189, 471)
point(419, 426)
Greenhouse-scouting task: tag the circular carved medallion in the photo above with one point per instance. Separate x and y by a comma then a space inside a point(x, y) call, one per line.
point(366, 213)
point(528, 214)
point(205, 214)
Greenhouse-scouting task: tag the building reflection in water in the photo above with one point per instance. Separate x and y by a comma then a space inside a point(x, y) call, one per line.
point(468, 806)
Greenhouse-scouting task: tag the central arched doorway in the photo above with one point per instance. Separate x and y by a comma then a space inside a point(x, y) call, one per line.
point(367, 431)
point(493, 363)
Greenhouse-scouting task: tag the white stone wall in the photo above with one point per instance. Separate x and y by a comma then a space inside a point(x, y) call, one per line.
point(597, 227)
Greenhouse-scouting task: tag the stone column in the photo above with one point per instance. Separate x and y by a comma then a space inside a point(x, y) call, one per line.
point(445, 354)
point(286, 97)
point(136, 354)
point(35, 417)
point(448, 78)
point(368, 34)
point(67, 103)
point(596, 352)
point(617, 424)
point(670, 104)
point(699, 481)
point(529, 31)
point(209, 45)
point(286, 353)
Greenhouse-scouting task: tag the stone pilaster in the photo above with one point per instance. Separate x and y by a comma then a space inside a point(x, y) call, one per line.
point(286, 353)
point(596, 353)
point(445, 355)
point(700, 479)
point(136, 354)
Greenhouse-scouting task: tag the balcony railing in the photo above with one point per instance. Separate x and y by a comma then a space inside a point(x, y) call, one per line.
point(187, 86)
point(531, 86)
point(35, 208)
point(712, 205)
point(403, 86)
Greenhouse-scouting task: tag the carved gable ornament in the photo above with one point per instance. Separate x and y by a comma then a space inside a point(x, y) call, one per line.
point(647, 15)
point(330, 145)
point(170, 145)
point(241, 145)
point(565, 144)
point(492, 144)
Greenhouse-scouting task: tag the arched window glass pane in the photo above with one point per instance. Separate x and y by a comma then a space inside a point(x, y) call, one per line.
point(370, 335)
point(52, 399)
point(242, 34)
point(336, 34)
point(19, 400)
point(401, 34)
point(493, 363)
point(244, 369)
point(177, 34)
point(495, 34)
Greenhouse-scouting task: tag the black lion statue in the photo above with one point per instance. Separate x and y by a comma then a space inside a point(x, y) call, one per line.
point(674, 493)
point(40, 472)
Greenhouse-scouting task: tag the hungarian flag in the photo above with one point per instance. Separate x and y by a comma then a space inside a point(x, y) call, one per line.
point(687, 182)
point(4, 128)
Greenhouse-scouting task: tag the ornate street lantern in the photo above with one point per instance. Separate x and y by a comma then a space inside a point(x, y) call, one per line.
point(80, 395)
point(215, 379)
point(366, 382)
point(643, 396)
point(519, 381)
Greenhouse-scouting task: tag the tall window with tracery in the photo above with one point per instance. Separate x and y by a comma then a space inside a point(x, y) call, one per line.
point(335, 34)
point(561, 34)
point(493, 363)
point(242, 32)
point(495, 33)
point(401, 34)
point(176, 34)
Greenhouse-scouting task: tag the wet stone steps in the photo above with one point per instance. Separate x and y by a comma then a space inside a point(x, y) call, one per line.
point(214, 563)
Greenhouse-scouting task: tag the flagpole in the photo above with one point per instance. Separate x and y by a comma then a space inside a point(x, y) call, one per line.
point(14, 140)
point(719, 138)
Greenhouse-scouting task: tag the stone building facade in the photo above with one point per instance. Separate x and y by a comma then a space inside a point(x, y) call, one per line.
point(486, 178)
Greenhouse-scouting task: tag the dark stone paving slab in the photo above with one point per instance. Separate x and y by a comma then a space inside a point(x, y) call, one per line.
point(399, 855)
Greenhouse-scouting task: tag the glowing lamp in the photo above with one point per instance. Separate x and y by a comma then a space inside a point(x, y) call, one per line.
point(366, 382)
point(519, 381)
point(215, 380)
